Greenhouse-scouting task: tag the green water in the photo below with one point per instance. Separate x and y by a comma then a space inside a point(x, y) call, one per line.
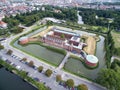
point(80, 69)
point(41, 52)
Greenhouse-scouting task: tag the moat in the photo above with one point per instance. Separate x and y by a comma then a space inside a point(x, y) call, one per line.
point(56, 58)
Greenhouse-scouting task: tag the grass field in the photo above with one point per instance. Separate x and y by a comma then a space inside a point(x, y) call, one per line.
point(91, 45)
point(116, 38)
point(76, 67)
point(76, 26)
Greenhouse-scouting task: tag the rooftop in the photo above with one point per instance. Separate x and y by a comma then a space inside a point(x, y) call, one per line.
point(75, 38)
point(92, 59)
point(23, 38)
point(66, 32)
point(2, 23)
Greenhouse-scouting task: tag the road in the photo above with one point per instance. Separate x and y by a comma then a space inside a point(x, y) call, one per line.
point(51, 82)
point(114, 57)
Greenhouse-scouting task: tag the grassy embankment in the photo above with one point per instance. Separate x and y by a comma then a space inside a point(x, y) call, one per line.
point(116, 39)
point(23, 75)
point(75, 73)
point(84, 27)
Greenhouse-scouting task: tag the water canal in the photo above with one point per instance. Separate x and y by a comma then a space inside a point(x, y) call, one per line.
point(10, 81)
point(56, 58)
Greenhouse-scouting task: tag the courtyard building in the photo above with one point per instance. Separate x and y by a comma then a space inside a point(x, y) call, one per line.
point(64, 39)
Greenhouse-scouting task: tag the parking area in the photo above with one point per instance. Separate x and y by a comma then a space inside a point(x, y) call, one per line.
point(18, 63)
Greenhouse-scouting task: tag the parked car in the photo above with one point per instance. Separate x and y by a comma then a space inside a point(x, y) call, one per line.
point(35, 67)
point(18, 67)
point(9, 62)
point(37, 79)
point(14, 65)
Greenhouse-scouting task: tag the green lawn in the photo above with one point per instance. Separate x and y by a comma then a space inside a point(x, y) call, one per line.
point(116, 38)
point(75, 66)
point(76, 26)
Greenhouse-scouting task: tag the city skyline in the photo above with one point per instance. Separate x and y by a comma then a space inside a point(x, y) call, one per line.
point(70, 1)
point(91, 1)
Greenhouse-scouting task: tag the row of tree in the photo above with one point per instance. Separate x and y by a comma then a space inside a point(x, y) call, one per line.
point(70, 83)
point(104, 16)
point(31, 17)
point(24, 74)
point(110, 78)
point(109, 47)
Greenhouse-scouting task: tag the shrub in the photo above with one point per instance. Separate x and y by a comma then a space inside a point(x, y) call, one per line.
point(1, 47)
point(82, 87)
point(9, 52)
point(70, 83)
point(58, 78)
point(24, 59)
point(31, 63)
point(48, 72)
point(40, 68)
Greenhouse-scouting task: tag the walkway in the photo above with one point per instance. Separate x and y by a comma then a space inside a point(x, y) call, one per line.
point(64, 61)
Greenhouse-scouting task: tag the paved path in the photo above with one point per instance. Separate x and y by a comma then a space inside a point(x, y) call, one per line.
point(49, 81)
point(114, 57)
point(64, 61)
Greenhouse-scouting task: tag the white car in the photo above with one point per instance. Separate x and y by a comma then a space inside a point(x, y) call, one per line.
point(18, 67)
point(3, 58)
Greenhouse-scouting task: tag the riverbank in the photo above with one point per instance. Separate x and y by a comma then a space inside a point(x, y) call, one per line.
point(23, 75)
point(10, 81)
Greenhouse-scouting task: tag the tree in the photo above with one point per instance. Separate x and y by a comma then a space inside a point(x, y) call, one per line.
point(82, 87)
point(1, 47)
point(41, 86)
point(31, 63)
point(70, 83)
point(48, 72)
point(110, 79)
point(49, 23)
point(40, 68)
point(16, 30)
point(9, 52)
point(24, 59)
point(62, 36)
point(58, 78)
point(23, 74)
